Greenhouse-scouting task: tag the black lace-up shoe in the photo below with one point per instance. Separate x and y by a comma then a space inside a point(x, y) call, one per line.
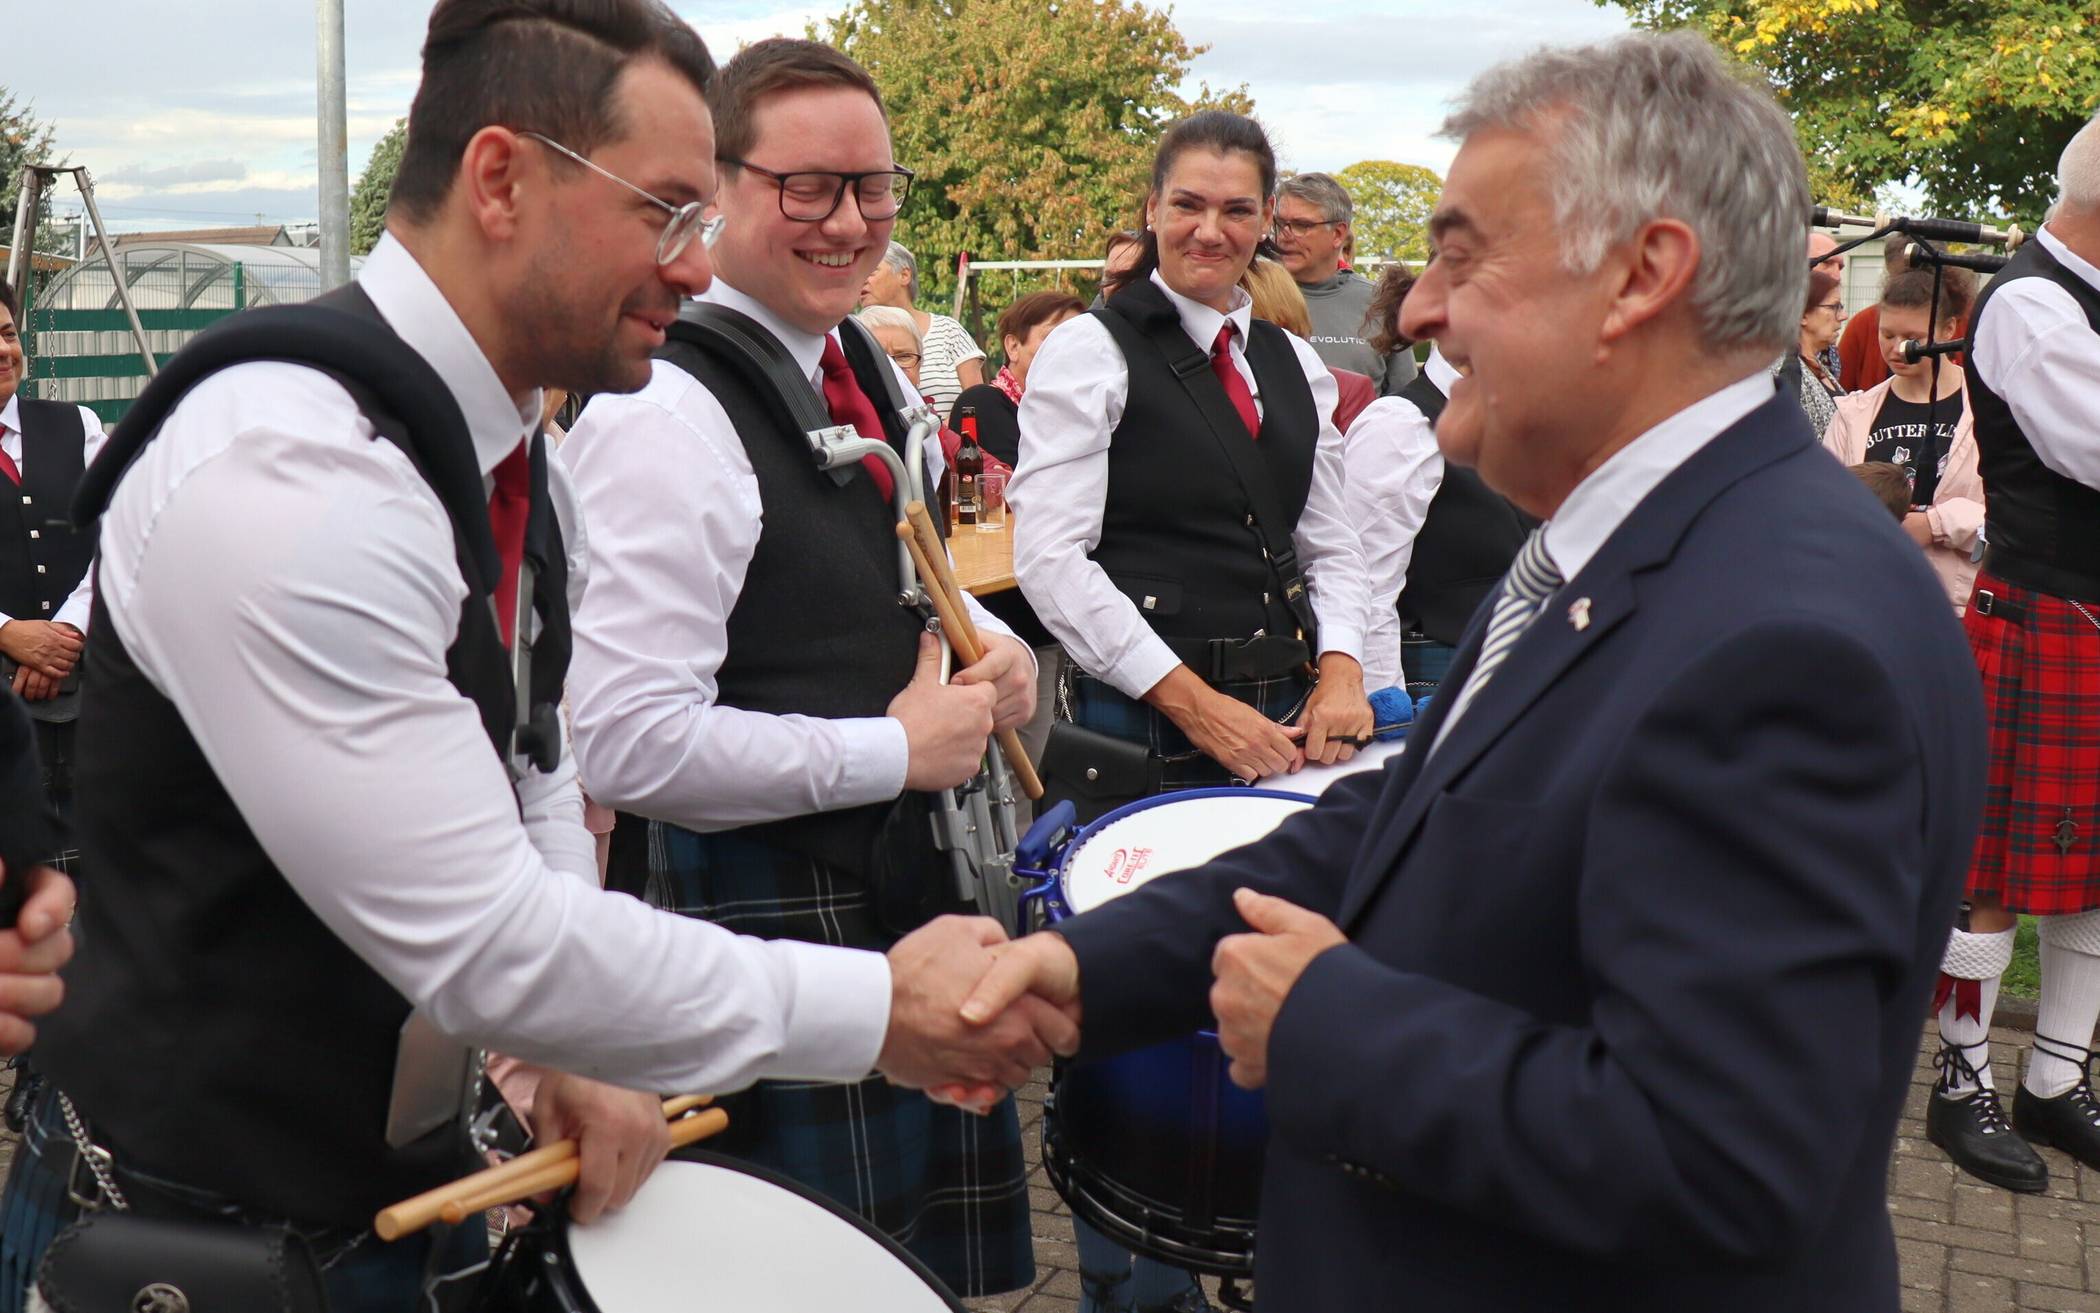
point(2070, 1121)
point(1972, 1131)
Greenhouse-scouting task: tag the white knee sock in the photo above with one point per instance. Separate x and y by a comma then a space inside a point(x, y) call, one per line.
point(2070, 1005)
point(1981, 959)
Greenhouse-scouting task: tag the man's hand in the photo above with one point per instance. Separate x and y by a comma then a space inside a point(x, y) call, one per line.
point(930, 1043)
point(1337, 710)
point(1009, 668)
point(1255, 974)
point(620, 1135)
point(48, 649)
point(945, 725)
point(33, 687)
point(1040, 966)
point(30, 956)
point(1225, 729)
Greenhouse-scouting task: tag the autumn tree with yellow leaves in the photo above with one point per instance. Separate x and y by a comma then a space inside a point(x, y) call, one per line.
point(1030, 125)
point(1973, 98)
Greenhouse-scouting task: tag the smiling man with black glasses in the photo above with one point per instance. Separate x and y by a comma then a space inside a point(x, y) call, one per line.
point(744, 677)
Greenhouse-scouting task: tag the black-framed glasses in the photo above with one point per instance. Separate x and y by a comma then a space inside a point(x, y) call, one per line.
point(1299, 227)
point(679, 230)
point(813, 195)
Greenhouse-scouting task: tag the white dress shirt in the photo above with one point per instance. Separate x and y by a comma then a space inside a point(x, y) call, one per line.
point(289, 583)
point(1395, 470)
point(2038, 352)
point(1593, 512)
point(675, 513)
point(1077, 387)
point(74, 610)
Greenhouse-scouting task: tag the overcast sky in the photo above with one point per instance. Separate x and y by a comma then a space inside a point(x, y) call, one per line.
point(202, 114)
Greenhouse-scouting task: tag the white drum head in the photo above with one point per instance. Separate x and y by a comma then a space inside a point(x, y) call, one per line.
point(701, 1236)
point(1168, 836)
point(1316, 780)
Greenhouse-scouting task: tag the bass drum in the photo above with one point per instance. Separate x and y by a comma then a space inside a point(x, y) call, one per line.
point(711, 1233)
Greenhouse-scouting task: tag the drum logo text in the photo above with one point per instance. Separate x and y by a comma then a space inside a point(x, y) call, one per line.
point(1125, 864)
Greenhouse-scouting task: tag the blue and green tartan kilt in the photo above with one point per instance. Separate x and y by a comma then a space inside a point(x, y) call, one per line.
point(948, 1186)
point(34, 1207)
point(1101, 707)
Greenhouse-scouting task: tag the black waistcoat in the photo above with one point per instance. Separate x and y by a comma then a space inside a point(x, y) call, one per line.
point(2034, 514)
point(817, 629)
point(1465, 544)
point(1177, 532)
point(42, 556)
point(215, 1032)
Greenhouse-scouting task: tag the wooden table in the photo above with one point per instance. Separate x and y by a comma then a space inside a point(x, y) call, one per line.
point(984, 558)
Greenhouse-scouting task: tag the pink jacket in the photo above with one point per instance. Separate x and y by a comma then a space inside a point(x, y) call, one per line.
point(1956, 514)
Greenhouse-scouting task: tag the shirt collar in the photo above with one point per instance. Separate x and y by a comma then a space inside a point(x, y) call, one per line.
point(1439, 370)
point(1601, 502)
point(1201, 322)
point(11, 413)
point(2067, 257)
point(806, 348)
point(414, 308)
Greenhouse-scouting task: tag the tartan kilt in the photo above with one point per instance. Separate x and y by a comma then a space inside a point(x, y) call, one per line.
point(948, 1186)
point(2039, 658)
point(1099, 706)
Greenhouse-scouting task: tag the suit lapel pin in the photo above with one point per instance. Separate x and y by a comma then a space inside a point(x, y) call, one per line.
point(1579, 614)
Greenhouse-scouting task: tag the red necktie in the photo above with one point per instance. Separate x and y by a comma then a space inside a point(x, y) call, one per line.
point(7, 463)
point(1236, 389)
point(509, 505)
point(849, 405)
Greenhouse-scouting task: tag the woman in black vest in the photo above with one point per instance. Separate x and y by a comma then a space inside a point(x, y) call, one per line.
point(1180, 481)
point(1179, 478)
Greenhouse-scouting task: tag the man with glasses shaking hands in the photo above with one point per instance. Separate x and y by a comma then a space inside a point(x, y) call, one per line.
point(744, 676)
point(316, 860)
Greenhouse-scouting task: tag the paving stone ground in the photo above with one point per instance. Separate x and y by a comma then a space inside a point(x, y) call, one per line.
point(1962, 1246)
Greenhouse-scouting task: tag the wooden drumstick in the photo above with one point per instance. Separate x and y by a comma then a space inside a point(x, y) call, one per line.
point(412, 1215)
point(559, 1175)
point(962, 635)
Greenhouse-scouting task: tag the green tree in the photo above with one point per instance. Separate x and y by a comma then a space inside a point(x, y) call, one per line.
point(1392, 204)
point(368, 200)
point(24, 140)
point(1975, 100)
point(1030, 126)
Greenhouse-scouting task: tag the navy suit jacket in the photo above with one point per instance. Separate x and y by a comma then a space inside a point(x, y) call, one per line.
point(1638, 956)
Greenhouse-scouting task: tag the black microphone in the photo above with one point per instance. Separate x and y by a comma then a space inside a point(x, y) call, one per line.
point(1913, 350)
point(1953, 230)
point(1920, 255)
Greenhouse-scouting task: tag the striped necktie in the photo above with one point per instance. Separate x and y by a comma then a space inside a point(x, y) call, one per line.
point(1530, 581)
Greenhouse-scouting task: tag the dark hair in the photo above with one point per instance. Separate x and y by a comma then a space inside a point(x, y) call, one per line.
point(1217, 130)
point(1912, 290)
point(546, 66)
point(1384, 313)
point(767, 68)
point(1821, 283)
point(1035, 308)
point(14, 307)
point(1891, 483)
point(1121, 237)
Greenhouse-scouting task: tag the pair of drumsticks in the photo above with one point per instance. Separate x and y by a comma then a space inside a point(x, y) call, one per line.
point(551, 1167)
point(930, 555)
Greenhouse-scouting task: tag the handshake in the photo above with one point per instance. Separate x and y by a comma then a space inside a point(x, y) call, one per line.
point(973, 1013)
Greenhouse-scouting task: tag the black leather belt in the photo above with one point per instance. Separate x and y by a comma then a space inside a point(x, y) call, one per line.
point(1235, 660)
point(2041, 576)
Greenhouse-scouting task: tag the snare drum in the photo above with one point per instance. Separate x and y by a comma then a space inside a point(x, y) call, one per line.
point(1157, 1148)
point(709, 1232)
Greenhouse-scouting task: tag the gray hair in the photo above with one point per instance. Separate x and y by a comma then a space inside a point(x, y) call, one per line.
point(889, 316)
point(1320, 191)
point(904, 262)
point(1651, 126)
point(2078, 171)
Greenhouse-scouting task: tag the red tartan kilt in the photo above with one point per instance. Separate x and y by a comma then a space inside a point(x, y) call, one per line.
point(2040, 663)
